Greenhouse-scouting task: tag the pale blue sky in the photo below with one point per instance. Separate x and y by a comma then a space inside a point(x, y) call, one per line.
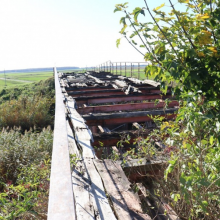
point(44, 33)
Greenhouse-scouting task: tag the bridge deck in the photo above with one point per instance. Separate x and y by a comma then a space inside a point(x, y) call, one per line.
point(99, 187)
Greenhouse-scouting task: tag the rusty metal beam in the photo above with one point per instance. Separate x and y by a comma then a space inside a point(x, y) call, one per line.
point(119, 98)
point(96, 93)
point(124, 107)
point(111, 139)
point(126, 117)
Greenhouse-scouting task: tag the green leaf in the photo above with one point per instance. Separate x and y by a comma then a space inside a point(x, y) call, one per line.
point(211, 140)
point(137, 11)
point(159, 7)
point(123, 29)
point(123, 20)
point(117, 9)
point(205, 203)
point(118, 42)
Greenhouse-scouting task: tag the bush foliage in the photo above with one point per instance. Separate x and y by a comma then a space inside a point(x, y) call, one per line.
point(25, 150)
point(183, 46)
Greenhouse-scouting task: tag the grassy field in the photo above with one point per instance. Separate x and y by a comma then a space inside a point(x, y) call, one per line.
point(17, 79)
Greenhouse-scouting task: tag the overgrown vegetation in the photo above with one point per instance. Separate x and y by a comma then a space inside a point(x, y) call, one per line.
point(183, 46)
point(25, 150)
point(28, 106)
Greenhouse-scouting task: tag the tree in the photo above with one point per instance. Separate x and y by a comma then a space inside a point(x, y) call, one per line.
point(183, 47)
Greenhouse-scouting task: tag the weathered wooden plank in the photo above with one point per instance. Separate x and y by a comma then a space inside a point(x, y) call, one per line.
point(73, 149)
point(104, 209)
point(83, 134)
point(101, 129)
point(96, 79)
point(137, 126)
point(84, 198)
point(125, 202)
point(151, 82)
point(120, 83)
point(84, 87)
point(84, 206)
point(61, 202)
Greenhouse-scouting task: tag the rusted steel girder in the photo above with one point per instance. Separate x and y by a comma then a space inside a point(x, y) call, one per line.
point(96, 93)
point(119, 98)
point(124, 107)
point(111, 139)
point(126, 117)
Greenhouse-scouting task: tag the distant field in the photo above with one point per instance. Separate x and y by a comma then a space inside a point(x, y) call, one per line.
point(10, 84)
point(17, 79)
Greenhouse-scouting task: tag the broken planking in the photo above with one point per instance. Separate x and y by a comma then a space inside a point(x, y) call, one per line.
point(125, 202)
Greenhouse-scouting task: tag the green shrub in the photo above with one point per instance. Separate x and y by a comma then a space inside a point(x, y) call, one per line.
point(24, 173)
point(18, 151)
point(27, 112)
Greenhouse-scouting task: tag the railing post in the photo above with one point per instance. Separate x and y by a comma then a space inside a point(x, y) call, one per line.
point(116, 69)
point(138, 70)
point(131, 69)
point(125, 70)
point(120, 68)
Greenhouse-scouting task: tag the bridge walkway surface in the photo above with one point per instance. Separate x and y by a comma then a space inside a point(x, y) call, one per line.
point(93, 112)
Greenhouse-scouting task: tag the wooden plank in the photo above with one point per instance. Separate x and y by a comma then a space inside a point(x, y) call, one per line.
point(73, 149)
point(101, 129)
point(104, 209)
point(96, 79)
point(84, 204)
point(137, 126)
point(120, 83)
point(126, 204)
point(83, 134)
point(76, 87)
point(125, 107)
point(84, 198)
point(60, 179)
point(151, 82)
